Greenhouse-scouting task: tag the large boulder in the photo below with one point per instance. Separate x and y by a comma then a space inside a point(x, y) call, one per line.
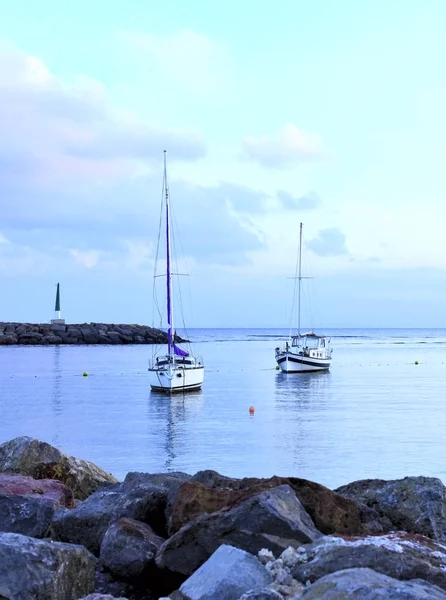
point(129, 548)
point(27, 456)
point(399, 555)
point(262, 594)
point(57, 492)
point(102, 597)
point(27, 506)
point(226, 575)
point(413, 504)
point(209, 491)
point(140, 496)
point(365, 584)
point(28, 515)
point(38, 570)
point(273, 519)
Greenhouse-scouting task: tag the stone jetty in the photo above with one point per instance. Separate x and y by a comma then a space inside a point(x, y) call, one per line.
point(71, 531)
point(45, 334)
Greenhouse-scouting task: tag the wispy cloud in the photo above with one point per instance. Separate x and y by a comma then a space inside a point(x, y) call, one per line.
point(87, 258)
point(309, 201)
point(290, 146)
point(329, 242)
point(55, 132)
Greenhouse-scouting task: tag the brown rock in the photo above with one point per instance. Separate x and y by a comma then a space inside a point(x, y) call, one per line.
point(40, 460)
point(56, 491)
point(208, 492)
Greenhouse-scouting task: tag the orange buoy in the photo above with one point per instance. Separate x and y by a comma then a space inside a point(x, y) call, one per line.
point(251, 410)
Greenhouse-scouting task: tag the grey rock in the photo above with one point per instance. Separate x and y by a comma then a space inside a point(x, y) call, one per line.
point(226, 575)
point(412, 504)
point(398, 555)
point(129, 548)
point(33, 569)
point(40, 460)
point(9, 339)
point(140, 496)
point(30, 338)
point(102, 597)
point(365, 584)
point(51, 339)
point(28, 515)
point(263, 594)
point(273, 519)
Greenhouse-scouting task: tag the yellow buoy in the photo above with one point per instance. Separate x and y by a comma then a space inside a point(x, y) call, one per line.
point(85, 374)
point(416, 362)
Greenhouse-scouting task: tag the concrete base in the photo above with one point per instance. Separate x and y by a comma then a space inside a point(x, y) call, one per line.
point(57, 321)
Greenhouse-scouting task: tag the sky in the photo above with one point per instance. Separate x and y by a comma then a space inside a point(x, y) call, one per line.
point(324, 112)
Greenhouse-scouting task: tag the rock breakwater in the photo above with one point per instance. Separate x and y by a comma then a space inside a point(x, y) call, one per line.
point(45, 334)
point(173, 536)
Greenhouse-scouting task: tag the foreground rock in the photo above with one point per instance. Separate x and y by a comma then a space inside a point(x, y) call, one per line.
point(59, 494)
point(400, 555)
point(102, 597)
point(226, 575)
point(273, 519)
point(27, 506)
point(27, 456)
point(331, 513)
point(85, 333)
point(365, 584)
point(37, 570)
point(129, 548)
point(140, 496)
point(412, 504)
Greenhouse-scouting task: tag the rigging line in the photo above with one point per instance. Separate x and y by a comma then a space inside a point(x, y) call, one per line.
point(178, 287)
point(293, 306)
point(155, 304)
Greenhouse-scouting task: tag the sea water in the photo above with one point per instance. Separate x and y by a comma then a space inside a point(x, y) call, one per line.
point(375, 414)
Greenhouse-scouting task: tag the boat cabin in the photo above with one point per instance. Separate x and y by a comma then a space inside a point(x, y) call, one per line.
point(311, 345)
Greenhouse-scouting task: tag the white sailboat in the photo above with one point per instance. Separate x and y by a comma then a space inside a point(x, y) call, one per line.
point(304, 352)
point(177, 370)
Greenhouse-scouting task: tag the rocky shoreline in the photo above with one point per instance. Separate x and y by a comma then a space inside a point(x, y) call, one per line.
point(69, 530)
point(46, 334)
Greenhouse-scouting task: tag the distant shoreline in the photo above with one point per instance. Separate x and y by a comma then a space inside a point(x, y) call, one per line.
point(51, 334)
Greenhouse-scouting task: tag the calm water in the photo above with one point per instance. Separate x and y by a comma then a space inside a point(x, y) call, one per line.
point(376, 414)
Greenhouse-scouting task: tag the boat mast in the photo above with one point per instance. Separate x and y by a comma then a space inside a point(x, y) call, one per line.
point(300, 279)
point(170, 329)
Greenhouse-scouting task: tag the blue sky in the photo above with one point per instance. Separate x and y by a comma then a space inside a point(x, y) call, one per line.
point(330, 113)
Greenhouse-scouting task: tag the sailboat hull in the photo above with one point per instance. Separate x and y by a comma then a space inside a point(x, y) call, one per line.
point(290, 362)
point(176, 379)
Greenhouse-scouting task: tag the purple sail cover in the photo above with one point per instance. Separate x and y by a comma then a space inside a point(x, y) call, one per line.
point(179, 351)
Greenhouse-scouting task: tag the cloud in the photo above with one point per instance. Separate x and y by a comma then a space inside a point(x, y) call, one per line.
point(187, 60)
point(330, 242)
point(289, 147)
point(88, 258)
point(309, 201)
point(4, 239)
point(71, 183)
point(52, 131)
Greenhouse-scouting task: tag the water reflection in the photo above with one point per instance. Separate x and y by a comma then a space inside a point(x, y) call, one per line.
point(171, 413)
point(302, 386)
point(56, 396)
point(301, 400)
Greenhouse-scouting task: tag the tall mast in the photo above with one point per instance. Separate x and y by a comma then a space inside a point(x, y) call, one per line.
point(300, 279)
point(170, 330)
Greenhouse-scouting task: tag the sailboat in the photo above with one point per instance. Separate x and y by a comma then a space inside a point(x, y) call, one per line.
point(304, 352)
point(177, 370)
